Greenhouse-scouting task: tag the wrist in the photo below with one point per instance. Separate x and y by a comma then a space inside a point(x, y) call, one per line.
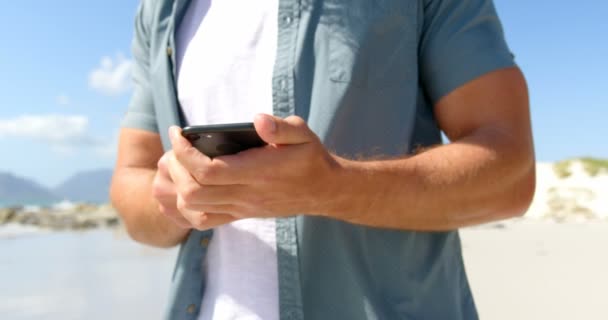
point(346, 195)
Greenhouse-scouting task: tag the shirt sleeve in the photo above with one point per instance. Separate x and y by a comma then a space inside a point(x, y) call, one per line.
point(140, 113)
point(461, 40)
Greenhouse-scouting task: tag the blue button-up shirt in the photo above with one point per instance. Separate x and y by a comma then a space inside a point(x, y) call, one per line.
point(365, 75)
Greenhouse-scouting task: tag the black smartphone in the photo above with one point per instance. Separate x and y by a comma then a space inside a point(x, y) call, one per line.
point(223, 139)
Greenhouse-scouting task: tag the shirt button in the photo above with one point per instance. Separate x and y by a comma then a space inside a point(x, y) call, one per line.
point(204, 242)
point(287, 20)
point(169, 51)
point(292, 315)
point(191, 309)
point(283, 85)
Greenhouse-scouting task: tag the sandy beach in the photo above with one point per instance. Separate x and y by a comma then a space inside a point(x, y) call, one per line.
point(539, 270)
point(524, 269)
point(81, 275)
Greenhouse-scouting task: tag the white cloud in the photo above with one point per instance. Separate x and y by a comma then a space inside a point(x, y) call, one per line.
point(63, 100)
point(62, 133)
point(112, 77)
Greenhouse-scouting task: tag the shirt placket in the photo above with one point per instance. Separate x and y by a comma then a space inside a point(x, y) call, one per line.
point(290, 293)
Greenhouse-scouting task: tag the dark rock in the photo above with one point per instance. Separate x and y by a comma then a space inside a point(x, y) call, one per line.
point(7, 215)
point(79, 217)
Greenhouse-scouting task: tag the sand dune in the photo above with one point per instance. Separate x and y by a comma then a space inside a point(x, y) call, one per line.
point(575, 195)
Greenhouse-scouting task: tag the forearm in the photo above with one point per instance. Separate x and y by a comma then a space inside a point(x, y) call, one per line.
point(131, 195)
point(478, 179)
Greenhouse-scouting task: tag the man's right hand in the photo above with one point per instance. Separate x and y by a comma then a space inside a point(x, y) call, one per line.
point(137, 169)
point(167, 196)
point(145, 196)
point(163, 190)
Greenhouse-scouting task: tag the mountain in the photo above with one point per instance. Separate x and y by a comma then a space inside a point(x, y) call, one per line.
point(87, 186)
point(20, 191)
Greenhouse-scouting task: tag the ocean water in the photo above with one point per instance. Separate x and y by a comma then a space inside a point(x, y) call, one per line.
point(64, 204)
point(90, 275)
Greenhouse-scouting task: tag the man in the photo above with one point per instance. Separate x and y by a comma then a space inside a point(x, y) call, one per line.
point(352, 210)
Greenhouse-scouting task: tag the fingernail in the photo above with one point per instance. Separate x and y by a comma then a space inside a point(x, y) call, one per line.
point(173, 132)
point(272, 124)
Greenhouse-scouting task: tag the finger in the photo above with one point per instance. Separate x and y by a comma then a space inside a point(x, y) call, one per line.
point(202, 168)
point(205, 221)
point(192, 194)
point(163, 164)
point(213, 220)
point(223, 208)
point(291, 130)
point(185, 184)
point(218, 195)
point(174, 215)
point(163, 188)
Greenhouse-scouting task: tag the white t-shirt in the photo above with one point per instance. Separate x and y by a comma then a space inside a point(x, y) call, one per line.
point(225, 57)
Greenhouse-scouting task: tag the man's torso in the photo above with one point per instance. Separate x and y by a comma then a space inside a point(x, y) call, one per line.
point(364, 75)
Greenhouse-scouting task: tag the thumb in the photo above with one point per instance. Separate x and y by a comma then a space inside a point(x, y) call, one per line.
point(291, 130)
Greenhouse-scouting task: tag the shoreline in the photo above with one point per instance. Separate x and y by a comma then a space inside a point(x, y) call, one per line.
point(78, 217)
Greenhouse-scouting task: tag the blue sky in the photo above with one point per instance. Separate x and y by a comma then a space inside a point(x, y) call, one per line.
point(64, 83)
